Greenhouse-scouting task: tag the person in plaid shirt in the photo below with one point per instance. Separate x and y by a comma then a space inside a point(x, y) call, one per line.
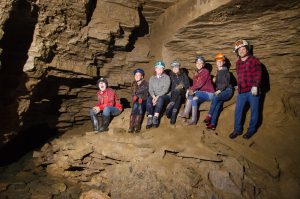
point(249, 78)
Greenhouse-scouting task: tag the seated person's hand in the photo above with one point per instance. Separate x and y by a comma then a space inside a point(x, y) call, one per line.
point(154, 100)
point(134, 98)
point(190, 92)
point(96, 109)
point(217, 92)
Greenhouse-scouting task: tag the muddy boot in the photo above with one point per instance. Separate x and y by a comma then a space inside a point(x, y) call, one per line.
point(169, 109)
point(187, 109)
point(149, 122)
point(193, 120)
point(173, 116)
point(131, 124)
point(137, 125)
point(104, 127)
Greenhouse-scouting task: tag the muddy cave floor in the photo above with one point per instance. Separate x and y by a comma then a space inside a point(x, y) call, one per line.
point(270, 159)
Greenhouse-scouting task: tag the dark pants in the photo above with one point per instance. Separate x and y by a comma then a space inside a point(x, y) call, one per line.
point(217, 104)
point(177, 98)
point(161, 101)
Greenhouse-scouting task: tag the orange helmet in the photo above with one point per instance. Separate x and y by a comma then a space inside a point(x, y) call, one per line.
point(220, 57)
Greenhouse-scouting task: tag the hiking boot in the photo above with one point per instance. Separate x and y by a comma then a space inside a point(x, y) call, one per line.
point(234, 134)
point(155, 122)
point(247, 135)
point(207, 120)
point(149, 122)
point(211, 127)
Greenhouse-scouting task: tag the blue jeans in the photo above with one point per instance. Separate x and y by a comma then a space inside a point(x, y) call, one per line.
point(217, 104)
point(201, 96)
point(241, 101)
point(138, 109)
point(161, 101)
point(110, 110)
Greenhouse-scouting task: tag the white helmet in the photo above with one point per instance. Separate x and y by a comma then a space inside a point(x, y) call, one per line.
point(240, 43)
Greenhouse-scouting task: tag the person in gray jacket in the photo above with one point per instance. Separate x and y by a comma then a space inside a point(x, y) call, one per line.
point(159, 85)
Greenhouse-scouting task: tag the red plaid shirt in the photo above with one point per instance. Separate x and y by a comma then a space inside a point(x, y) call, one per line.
point(248, 74)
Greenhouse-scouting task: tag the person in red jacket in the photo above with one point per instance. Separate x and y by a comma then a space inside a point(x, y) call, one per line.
point(108, 105)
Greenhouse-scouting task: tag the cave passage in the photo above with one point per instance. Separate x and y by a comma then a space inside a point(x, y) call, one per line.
point(17, 38)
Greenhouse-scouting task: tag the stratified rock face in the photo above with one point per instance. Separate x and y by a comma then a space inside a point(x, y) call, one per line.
point(271, 29)
point(50, 78)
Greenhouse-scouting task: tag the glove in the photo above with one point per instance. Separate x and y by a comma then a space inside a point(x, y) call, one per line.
point(134, 98)
point(254, 90)
point(217, 92)
point(140, 100)
point(179, 86)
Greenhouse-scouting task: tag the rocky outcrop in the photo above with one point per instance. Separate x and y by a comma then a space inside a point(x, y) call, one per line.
point(156, 165)
point(5, 8)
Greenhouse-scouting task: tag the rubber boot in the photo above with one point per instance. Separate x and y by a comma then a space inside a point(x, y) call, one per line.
point(104, 127)
point(131, 124)
point(149, 122)
point(95, 122)
point(173, 116)
point(169, 109)
point(138, 123)
point(193, 120)
point(187, 109)
point(155, 121)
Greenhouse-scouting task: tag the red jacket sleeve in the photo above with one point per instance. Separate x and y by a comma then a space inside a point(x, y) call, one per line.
point(199, 80)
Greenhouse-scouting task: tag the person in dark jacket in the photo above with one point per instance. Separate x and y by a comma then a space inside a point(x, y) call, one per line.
point(223, 92)
point(108, 105)
point(201, 90)
point(179, 84)
point(140, 89)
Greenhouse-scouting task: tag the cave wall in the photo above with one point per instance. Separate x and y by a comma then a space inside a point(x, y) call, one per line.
point(75, 42)
point(271, 27)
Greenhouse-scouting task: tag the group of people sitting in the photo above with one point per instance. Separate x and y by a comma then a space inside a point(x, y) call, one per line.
point(165, 94)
